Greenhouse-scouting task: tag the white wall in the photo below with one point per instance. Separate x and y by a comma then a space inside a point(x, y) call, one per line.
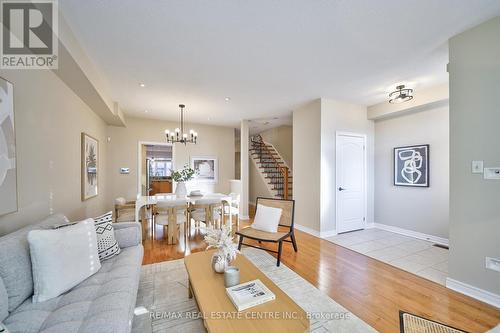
point(423, 210)
point(49, 119)
point(257, 185)
point(122, 149)
point(307, 165)
point(281, 138)
point(338, 116)
point(474, 135)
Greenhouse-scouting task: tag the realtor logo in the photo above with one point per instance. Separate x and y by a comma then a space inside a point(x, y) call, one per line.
point(29, 34)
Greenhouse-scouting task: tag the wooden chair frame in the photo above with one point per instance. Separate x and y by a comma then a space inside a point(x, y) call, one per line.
point(280, 241)
point(173, 228)
point(127, 205)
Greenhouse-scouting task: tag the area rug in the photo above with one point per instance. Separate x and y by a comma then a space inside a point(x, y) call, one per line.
point(410, 323)
point(163, 294)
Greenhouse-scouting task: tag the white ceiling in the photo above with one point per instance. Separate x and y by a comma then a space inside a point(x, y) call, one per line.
point(268, 56)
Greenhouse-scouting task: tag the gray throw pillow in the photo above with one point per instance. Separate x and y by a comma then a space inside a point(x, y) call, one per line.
point(107, 246)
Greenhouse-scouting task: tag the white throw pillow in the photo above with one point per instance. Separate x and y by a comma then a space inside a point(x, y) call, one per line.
point(62, 258)
point(107, 246)
point(267, 218)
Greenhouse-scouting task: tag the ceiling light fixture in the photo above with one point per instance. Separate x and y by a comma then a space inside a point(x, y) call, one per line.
point(400, 95)
point(178, 136)
point(227, 99)
point(142, 85)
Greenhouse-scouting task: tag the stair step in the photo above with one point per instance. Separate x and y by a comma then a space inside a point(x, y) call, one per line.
point(269, 162)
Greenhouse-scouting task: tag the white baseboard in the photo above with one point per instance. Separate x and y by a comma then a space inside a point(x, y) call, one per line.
point(410, 233)
point(315, 233)
point(474, 292)
point(307, 230)
point(330, 233)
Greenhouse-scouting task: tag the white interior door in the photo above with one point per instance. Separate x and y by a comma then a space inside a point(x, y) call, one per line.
point(351, 182)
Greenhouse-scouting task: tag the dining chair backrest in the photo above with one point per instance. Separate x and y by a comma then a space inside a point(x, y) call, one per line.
point(287, 207)
point(174, 203)
point(235, 199)
point(207, 201)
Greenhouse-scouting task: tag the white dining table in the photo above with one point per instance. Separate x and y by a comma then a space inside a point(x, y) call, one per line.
point(147, 200)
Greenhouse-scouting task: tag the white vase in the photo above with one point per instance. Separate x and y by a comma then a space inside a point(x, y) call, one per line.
point(219, 262)
point(180, 189)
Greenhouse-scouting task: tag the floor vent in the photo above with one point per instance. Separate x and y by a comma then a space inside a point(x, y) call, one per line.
point(446, 247)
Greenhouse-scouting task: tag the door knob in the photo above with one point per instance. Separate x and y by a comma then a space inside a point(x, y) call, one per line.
point(341, 189)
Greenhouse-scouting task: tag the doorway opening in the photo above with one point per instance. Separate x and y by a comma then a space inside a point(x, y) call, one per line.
point(156, 161)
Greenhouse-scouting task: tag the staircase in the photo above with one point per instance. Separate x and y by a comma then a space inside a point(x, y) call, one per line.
point(273, 168)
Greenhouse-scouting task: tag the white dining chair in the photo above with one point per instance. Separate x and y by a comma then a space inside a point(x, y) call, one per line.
point(172, 214)
point(233, 207)
point(207, 210)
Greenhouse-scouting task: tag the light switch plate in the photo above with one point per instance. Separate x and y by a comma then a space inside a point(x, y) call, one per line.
point(477, 166)
point(493, 264)
point(492, 173)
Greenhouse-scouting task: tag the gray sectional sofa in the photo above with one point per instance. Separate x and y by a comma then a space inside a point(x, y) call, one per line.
point(104, 302)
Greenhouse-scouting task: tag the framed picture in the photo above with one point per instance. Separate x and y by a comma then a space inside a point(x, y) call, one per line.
point(206, 169)
point(8, 173)
point(90, 167)
point(411, 166)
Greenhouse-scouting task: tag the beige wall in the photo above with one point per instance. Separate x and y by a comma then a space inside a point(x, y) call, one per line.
point(339, 116)
point(213, 141)
point(474, 135)
point(419, 209)
point(307, 165)
point(281, 138)
point(49, 120)
point(257, 186)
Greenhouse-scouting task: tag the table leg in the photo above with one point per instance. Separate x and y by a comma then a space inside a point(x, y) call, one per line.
point(172, 224)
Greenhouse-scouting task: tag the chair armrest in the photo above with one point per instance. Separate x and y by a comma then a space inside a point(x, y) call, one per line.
point(128, 234)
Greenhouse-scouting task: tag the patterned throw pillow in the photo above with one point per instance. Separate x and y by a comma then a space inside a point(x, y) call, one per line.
point(107, 246)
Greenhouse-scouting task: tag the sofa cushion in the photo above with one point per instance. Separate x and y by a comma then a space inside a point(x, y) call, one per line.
point(62, 258)
point(102, 303)
point(107, 246)
point(4, 302)
point(15, 262)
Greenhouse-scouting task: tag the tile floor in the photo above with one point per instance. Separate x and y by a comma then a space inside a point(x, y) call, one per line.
point(410, 254)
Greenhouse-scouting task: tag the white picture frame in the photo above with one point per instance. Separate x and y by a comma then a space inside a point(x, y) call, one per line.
point(90, 166)
point(8, 164)
point(206, 169)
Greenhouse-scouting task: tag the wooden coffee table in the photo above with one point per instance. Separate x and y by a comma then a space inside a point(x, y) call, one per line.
point(220, 315)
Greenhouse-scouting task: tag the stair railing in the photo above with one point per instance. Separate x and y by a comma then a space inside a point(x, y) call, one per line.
point(283, 170)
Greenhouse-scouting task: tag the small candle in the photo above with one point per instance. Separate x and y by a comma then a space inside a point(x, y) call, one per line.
point(231, 276)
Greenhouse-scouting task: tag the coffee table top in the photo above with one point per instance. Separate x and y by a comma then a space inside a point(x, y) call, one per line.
point(279, 315)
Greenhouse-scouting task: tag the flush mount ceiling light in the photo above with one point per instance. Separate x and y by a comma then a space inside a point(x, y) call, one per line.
point(227, 99)
point(178, 136)
point(142, 85)
point(400, 95)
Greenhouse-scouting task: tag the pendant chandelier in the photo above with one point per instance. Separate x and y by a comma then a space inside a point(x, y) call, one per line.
point(400, 95)
point(178, 136)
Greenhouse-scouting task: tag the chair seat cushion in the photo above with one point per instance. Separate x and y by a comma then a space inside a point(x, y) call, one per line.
point(262, 235)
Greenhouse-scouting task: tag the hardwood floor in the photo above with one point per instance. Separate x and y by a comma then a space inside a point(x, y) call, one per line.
point(372, 290)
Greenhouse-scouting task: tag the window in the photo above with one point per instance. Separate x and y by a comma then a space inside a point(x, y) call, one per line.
point(160, 168)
